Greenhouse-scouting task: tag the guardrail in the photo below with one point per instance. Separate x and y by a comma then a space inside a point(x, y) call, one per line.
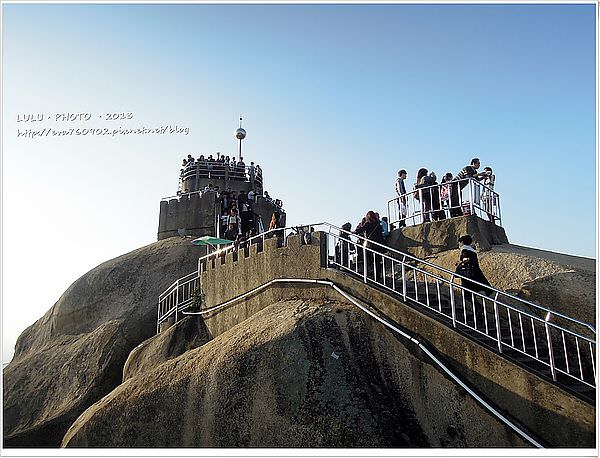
point(441, 201)
point(221, 171)
point(177, 297)
point(508, 321)
point(512, 324)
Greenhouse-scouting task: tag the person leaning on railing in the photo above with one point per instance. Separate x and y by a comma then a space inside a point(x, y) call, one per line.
point(423, 194)
point(470, 171)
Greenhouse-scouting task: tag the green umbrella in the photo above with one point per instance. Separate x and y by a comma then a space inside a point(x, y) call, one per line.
point(210, 240)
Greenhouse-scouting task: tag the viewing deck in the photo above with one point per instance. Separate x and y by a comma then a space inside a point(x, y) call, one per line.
point(199, 174)
point(445, 200)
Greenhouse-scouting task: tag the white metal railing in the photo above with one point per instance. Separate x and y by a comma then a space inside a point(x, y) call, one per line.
point(177, 297)
point(510, 322)
point(443, 201)
point(522, 328)
point(221, 171)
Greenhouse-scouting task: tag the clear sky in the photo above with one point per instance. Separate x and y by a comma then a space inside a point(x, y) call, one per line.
point(335, 98)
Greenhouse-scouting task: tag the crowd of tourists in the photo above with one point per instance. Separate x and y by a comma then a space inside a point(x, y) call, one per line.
point(438, 201)
point(238, 217)
point(373, 232)
point(444, 200)
point(221, 167)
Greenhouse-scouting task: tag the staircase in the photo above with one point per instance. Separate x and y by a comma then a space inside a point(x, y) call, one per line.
point(520, 335)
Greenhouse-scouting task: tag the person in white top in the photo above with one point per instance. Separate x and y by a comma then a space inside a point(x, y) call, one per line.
point(235, 220)
point(489, 202)
point(401, 192)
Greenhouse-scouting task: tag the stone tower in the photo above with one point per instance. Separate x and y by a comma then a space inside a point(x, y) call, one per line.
point(203, 196)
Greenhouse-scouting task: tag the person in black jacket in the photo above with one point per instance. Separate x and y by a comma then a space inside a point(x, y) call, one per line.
point(370, 228)
point(468, 266)
point(342, 248)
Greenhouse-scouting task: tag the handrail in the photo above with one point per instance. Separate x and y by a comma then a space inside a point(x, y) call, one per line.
point(416, 211)
point(357, 303)
point(559, 340)
point(435, 266)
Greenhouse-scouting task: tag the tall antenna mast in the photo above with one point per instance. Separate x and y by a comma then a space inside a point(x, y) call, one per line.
point(240, 134)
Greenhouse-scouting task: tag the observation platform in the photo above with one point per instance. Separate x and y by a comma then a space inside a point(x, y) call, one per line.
point(197, 176)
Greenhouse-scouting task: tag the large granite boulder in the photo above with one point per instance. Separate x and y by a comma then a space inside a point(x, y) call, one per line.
point(185, 335)
point(438, 236)
point(74, 354)
point(295, 374)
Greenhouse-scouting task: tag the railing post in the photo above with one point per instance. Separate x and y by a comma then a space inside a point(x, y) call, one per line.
point(497, 319)
point(550, 350)
point(176, 300)
point(404, 277)
point(497, 196)
point(422, 206)
point(364, 262)
point(158, 316)
point(452, 301)
point(471, 196)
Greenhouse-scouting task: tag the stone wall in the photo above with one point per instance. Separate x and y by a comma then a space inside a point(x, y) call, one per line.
point(226, 279)
point(196, 215)
point(193, 212)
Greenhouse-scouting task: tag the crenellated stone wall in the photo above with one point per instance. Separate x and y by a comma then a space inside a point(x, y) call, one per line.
point(196, 215)
point(224, 279)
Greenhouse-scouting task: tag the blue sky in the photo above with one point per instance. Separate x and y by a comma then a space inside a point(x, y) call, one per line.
point(335, 98)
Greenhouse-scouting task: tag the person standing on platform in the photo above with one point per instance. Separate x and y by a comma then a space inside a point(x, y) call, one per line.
point(401, 193)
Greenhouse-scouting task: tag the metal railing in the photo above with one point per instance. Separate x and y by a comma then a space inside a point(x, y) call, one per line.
point(508, 322)
point(446, 200)
point(221, 171)
point(522, 329)
point(177, 297)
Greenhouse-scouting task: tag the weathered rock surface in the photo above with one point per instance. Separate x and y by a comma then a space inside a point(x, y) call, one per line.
point(186, 334)
point(435, 237)
point(295, 374)
point(75, 353)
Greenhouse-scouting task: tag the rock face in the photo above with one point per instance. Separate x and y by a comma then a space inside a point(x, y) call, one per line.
point(435, 237)
point(186, 334)
point(295, 374)
point(75, 353)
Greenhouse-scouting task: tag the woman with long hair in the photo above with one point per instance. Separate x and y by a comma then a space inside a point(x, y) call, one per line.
point(423, 195)
point(370, 228)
